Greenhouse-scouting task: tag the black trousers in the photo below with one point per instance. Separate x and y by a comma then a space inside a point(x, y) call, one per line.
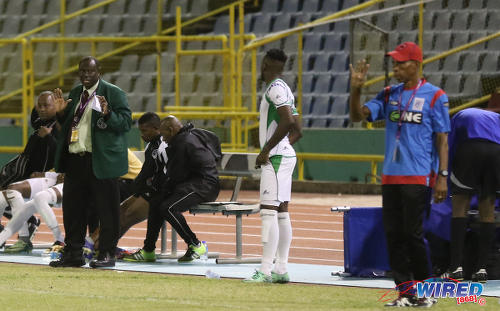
point(404, 208)
point(171, 210)
point(82, 192)
point(126, 187)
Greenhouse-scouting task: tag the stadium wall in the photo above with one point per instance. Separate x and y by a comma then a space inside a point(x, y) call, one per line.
point(352, 141)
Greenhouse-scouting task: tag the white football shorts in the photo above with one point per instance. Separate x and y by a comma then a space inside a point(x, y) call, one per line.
point(276, 180)
point(40, 184)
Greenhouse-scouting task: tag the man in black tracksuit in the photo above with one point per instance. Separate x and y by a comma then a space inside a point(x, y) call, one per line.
point(39, 151)
point(41, 146)
point(146, 185)
point(192, 178)
point(154, 170)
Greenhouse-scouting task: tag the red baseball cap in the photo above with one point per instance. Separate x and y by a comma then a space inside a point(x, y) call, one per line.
point(407, 51)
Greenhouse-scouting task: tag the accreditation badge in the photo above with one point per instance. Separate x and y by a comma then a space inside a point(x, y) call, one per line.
point(74, 135)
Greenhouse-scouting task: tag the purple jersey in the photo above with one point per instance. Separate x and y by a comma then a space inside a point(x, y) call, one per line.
point(414, 159)
point(473, 123)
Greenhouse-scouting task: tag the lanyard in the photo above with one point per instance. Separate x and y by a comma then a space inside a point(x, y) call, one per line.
point(407, 106)
point(81, 108)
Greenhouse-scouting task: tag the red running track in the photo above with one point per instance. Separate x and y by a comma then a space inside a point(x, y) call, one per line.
point(317, 232)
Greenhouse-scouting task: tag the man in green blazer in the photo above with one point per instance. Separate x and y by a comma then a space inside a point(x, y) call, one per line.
point(92, 152)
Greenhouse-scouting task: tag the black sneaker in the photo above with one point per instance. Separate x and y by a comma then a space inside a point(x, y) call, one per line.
point(401, 301)
point(480, 276)
point(457, 274)
point(33, 224)
point(68, 259)
point(423, 302)
point(193, 252)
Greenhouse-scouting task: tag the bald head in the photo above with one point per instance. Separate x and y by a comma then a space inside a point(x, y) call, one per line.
point(169, 127)
point(46, 106)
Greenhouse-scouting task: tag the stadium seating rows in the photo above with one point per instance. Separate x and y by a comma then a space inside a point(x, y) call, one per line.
point(449, 24)
point(326, 47)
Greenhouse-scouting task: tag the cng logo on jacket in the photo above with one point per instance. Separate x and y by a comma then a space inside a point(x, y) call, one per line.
point(408, 117)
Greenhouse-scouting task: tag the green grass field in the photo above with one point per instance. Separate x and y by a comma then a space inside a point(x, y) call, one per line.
point(28, 287)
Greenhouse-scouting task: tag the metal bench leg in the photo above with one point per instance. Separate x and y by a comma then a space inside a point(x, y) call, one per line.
point(239, 247)
point(239, 242)
point(164, 238)
point(173, 247)
point(174, 243)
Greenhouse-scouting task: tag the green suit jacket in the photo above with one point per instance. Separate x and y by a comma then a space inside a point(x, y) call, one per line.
point(109, 145)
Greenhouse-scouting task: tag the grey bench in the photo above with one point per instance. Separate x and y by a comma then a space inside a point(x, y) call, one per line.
point(239, 165)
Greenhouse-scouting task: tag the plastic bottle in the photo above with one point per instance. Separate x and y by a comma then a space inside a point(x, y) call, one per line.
point(211, 275)
point(46, 256)
point(204, 257)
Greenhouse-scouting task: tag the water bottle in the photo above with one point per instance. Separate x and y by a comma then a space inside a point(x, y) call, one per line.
point(204, 257)
point(211, 275)
point(46, 256)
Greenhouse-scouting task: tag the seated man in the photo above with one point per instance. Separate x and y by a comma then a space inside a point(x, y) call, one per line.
point(192, 179)
point(38, 154)
point(135, 209)
point(41, 191)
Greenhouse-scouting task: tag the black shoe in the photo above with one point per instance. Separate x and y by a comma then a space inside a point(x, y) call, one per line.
point(69, 259)
point(424, 302)
point(480, 276)
point(401, 301)
point(193, 252)
point(103, 261)
point(33, 224)
point(457, 274)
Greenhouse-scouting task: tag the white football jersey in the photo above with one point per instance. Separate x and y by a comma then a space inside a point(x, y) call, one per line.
point(277, 94)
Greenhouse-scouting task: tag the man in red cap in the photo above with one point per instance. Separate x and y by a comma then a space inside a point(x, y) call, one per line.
point(416, 160)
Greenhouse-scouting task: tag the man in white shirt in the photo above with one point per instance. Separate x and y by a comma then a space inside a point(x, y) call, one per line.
point(279, 129)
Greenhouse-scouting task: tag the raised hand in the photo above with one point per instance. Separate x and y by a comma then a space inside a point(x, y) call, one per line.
point(358, 73)
point(44, 131)
point(61, 104)
point(104, 104)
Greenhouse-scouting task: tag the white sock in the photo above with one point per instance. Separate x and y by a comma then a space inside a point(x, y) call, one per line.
point(3, 203)
point(5, 235)
point(42, 201)
point(16, 203)
point(270, 233)
point(17, 221)
point(285, 239)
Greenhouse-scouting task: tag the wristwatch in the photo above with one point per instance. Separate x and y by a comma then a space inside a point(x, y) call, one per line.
point(443, 173)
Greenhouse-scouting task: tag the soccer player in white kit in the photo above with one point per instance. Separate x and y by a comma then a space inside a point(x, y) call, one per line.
point(279, 129)
point(41, 192)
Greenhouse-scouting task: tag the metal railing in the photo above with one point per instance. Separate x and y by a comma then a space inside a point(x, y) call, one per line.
point(233, 48)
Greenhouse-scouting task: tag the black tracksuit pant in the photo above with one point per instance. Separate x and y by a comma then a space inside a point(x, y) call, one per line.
point(404, 208)
point(171, 209)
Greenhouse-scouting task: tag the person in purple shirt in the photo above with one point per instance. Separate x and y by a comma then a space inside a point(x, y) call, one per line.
point(416, 161)
point(475, 169)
